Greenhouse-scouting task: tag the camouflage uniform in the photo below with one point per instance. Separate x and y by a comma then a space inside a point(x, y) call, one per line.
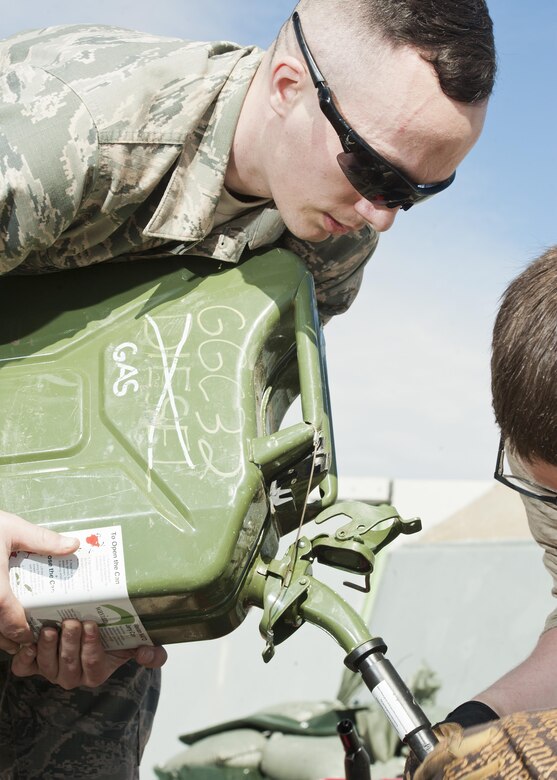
point(47, 733)
point(114, 144)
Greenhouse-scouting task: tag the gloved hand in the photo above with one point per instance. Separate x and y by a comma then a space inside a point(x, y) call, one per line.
point(444, 733)
point(471, 713)
point(523, 744)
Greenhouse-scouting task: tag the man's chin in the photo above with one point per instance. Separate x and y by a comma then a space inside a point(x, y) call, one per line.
point(314, 235)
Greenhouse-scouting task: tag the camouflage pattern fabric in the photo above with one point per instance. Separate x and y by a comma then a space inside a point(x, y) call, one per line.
point(114, 144)
point(521, 746)
point(49, 733)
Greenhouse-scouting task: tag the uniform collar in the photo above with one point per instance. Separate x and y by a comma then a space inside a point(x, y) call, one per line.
point(187, 208)
point(260, 227)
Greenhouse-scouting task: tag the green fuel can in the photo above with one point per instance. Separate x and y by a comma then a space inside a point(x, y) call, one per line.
point(141, 409)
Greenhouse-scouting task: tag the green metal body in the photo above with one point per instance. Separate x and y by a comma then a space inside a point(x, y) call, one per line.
point(147, 399)
point(150, 395)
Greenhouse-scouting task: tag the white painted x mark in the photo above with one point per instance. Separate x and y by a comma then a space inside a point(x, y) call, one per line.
point(167, 391)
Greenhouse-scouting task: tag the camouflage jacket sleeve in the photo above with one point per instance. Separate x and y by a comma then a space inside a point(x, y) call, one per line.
point(47, 150)
point(337, 266)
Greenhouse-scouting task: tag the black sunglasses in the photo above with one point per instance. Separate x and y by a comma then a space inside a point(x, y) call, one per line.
point(367, 171)
point(524, 486)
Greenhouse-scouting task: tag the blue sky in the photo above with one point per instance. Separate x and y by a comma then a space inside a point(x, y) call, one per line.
point(409, 364)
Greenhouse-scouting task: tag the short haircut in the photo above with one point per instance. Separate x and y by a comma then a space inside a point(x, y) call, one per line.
point(455, 36)
point(524, 362)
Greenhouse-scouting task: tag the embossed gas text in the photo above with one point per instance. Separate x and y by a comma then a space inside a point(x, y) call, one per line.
point(125, 381)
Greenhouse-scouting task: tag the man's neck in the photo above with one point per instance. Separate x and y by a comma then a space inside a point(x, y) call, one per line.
point(245, 175)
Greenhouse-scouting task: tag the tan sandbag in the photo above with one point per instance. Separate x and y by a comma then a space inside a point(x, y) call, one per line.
point(239, 748)
point(287, 757)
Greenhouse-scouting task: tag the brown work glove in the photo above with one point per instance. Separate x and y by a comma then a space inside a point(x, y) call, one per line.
point(522, 745)
point(470, 713)
point(444, 732)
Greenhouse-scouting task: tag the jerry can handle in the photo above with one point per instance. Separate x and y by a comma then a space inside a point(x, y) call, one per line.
point(288, 445)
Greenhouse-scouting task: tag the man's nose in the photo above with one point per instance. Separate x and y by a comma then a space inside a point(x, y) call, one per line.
point(378, 216)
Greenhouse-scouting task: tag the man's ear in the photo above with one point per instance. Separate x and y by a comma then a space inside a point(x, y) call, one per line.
point(288, 79)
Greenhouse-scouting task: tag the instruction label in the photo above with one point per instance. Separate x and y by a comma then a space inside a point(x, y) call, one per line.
point(90, 584)
point(394, 709)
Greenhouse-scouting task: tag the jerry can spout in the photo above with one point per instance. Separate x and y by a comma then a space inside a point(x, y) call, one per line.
point(290, 595)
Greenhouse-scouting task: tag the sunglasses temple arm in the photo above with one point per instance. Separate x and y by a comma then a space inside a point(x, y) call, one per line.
point(316, 76)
